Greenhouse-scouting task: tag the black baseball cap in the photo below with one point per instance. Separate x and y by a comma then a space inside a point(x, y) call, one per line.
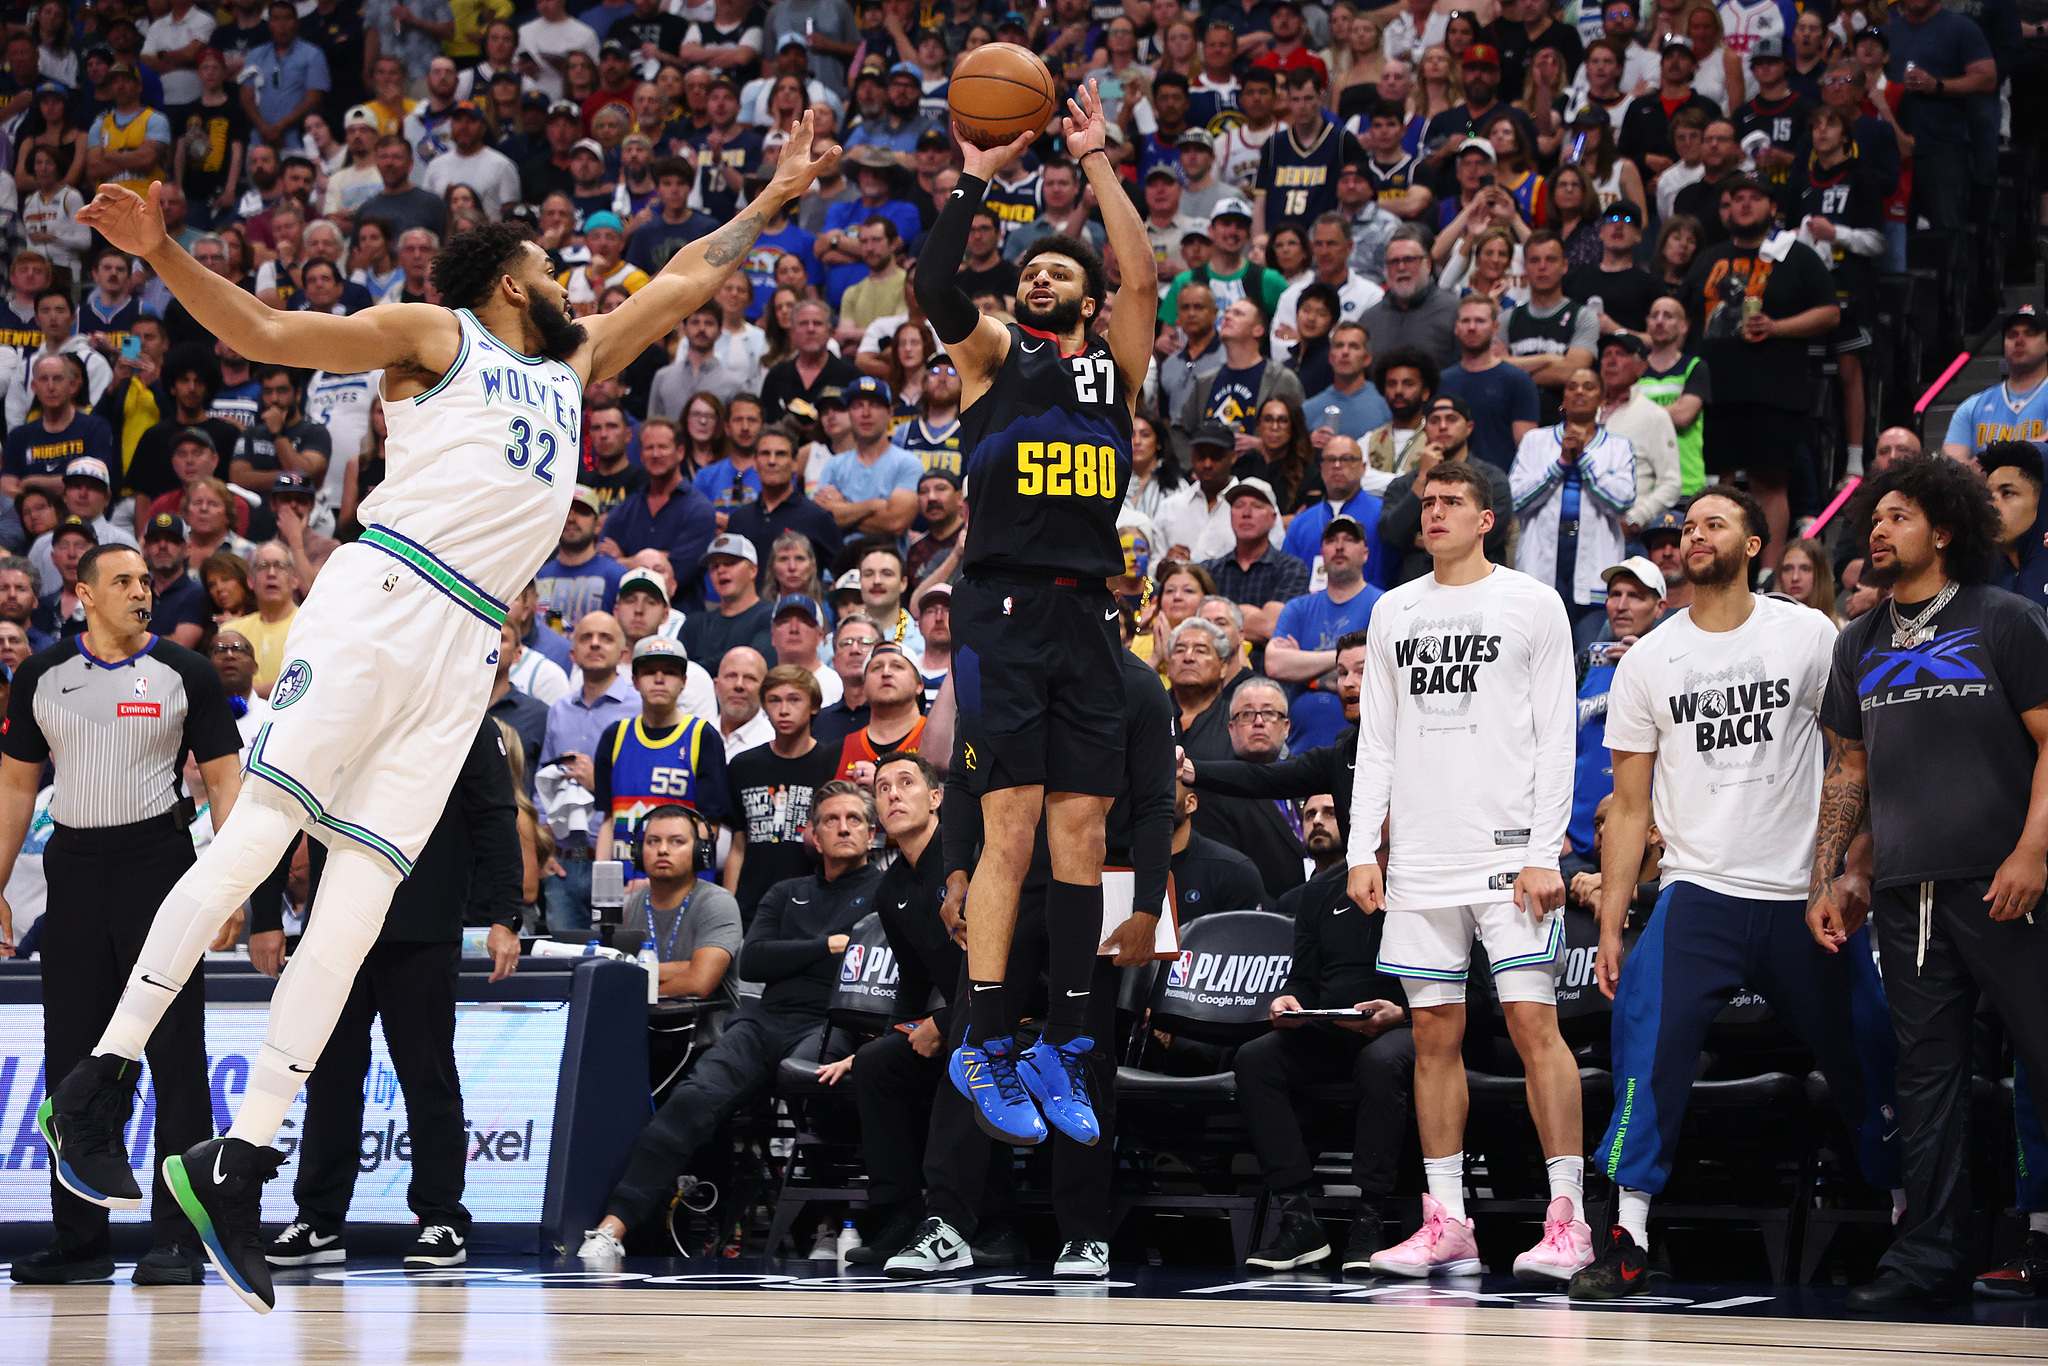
point(292, 484)
point(2026, 315)
point(1456, 404)
point(75, 524)
point(1623, 211)
point(165, 526)
point(1627, 341)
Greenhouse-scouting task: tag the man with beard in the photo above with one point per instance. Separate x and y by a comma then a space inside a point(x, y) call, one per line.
point(1037, 655)
point(1730, 914)
point(933, 436)
point(180, 609)
point(401, 203)
point(18, 599)
point(1937, 719)
point(1414, 311)
point(394, 646)
point(1335, 967)
point(935, 556)
point(577, 580)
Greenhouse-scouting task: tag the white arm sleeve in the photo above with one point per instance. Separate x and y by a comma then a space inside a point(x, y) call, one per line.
point(1373, 778)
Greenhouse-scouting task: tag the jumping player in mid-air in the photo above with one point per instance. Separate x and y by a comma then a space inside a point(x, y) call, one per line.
point(368, 727)
point(1046, 434)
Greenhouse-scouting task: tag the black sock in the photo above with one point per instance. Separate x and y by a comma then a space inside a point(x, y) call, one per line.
point(1073, 931)
point(986, 1018)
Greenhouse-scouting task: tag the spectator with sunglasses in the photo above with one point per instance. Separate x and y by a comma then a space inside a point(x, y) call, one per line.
point(1624, 289)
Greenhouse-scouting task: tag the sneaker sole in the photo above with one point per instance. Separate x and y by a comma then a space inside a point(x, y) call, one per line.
point(1363, 1266)
point(82, 1273)
point(209, 1240)
point(456, 1258)
point(324, 1257)
point(1093, 1273)
point(1464, 1266)
point(1602, 1293)
point(917, 1273)
point(994, 1131)
point(1289, 1263)
point(67, 1178)
point(2000, 1292)
point(194, 1276)
point(1546, 1275)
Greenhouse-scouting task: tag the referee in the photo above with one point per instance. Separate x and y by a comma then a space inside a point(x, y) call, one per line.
point(115, 709)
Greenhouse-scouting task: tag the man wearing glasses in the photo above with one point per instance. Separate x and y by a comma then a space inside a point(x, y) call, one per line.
point(274, 582)
point(933, 436)
point(1415, 312)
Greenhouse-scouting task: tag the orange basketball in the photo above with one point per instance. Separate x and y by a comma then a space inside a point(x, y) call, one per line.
point(998, 91)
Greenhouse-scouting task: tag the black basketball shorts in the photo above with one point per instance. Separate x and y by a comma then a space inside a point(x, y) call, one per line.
point(1039, 679)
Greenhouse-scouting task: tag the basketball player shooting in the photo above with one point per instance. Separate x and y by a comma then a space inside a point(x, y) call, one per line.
point(390, 660)
point(1047, 432)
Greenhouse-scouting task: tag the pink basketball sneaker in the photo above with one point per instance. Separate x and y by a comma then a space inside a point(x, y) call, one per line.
point(1567, 1246)
point(1443, 1246)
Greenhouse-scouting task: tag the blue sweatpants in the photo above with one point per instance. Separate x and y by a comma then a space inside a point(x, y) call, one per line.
point(1699, 949)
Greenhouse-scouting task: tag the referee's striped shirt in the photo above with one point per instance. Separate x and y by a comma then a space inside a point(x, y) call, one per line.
point(117, 730)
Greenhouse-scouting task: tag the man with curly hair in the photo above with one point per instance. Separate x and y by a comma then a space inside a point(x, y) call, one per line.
point(484, 401)
point(1937, 719)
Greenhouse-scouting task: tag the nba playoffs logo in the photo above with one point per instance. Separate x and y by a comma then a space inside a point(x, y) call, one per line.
point(849, 966)
point(1177, 975)
point(291, 684)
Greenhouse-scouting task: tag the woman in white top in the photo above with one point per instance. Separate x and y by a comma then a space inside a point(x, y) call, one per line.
point(376, 265)
point(56, 58)
point(1154, 474)
point(49, 212)
point(1721, 77)
point(740, 344)
point(1489, 263)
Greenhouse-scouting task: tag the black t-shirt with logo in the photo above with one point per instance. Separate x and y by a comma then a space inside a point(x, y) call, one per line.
point(1772, 373)
point(774, 797)
point(1951, 762)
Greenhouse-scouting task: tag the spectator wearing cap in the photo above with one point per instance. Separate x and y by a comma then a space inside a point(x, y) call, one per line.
point(782, 506)
point(1257, 576)
point(1447, 432)
point(469, 161)
point(1194, 520)
point(128, 143)
point(292, 499)
point(599, 696)
point(845, 596)
point(1635, 604)
point(664, 755)
point(935, 623)
point(180, 611)
point(796, 633)
point(1371, 224)
point(358, 180)
point(87, 491)
point(60, 612)
point(590, 191)
point(791, 56)
point(193, 457)
point(1165, 223)
point(402, 204)
point(674, 224)
point(577, 580)
point(1645, 136)
point(1644, 423)
point(739, 617)
point(1663, 546)
point(1481, 68)
point(545, 171)
point(741, 722)
point(728, 151)
point(292, 81)
point(934, 557)
point(892, 689)
point(873, 487)
point(1200, 190)
point(903, 121)
point(1573, 483)
point(523, 135)
point(274, 582)
point(1303, 651)
point(38, 452)
point(1618, 290)
point(2015, 410)
point(607, 267)
point(666, 512)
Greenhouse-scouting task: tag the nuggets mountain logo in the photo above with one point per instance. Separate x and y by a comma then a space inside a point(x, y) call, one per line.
point(1943, 667)
point(1442, 659)
point(1730, 712)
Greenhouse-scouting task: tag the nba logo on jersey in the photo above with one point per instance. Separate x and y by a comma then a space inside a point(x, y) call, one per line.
point(142, 687)
point(849, 967)
point(1177, 975)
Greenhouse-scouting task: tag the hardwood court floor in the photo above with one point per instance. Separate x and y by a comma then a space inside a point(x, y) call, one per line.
point(384, 1322)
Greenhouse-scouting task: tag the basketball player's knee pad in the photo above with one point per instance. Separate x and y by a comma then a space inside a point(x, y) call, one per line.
point(244, 851)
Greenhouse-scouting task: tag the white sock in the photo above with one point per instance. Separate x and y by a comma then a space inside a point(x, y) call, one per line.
point(1855, 460)
point(1568, 1178)
point(242, 854)
point(1899, 1205)
point(2037, 1223)
point(1447, 1182)
point(355, 892)
point(1634, 1215)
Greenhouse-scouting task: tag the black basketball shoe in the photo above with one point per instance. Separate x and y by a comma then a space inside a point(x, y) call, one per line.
point(219, 1185)
point(83, 1121)
point(1622, 1270)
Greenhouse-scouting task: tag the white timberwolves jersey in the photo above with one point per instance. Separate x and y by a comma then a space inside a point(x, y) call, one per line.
point(479, 469)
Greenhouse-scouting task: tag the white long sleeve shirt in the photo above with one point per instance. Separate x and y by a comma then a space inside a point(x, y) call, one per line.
point(1607, 489)
point(1466, 731)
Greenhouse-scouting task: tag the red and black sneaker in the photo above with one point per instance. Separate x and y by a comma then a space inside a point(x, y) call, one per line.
point(2025, 1277)
point(1622, 1270)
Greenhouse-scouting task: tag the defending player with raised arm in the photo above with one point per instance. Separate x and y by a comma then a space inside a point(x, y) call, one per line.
point(1046, 436)
point(1465, 731)
point(367, 728)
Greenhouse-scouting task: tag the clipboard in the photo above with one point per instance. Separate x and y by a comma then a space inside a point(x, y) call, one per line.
point(1119, 885)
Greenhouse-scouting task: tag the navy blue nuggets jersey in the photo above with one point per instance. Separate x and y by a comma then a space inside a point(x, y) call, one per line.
point(1048, 454)
point(1300, 182)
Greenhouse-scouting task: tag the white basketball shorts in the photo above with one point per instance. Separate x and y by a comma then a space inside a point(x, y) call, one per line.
point(1431, 951)
point(387, 670)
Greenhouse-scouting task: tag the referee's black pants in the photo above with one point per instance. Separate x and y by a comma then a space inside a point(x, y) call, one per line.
point(411, 987)
point(1932, 1003)
point(958, 1154)
point(1272, 1068)
point(105, 885)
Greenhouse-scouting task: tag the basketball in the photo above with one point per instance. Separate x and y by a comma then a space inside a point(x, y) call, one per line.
point(998, 91)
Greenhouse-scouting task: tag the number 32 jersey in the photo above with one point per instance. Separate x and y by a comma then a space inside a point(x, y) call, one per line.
point(479, 469)
point(1048, 456)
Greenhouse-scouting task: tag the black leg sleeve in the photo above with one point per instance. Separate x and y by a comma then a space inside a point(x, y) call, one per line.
point(953, 314)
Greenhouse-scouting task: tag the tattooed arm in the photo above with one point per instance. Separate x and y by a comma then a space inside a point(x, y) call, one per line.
point(694, 274)
point(1839, 896)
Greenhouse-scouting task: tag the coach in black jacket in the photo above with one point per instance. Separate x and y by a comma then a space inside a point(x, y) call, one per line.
point(469, 872)
point(793, 948)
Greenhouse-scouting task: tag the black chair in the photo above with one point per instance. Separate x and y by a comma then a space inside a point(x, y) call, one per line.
point(1178, 1137)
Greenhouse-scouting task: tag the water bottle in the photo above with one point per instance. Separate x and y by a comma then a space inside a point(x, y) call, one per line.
point(590, 949)
point(651, 961)
point(1596, 305)
point(849, 1239)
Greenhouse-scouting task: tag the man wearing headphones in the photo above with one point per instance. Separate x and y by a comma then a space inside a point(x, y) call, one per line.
point(693, 922)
